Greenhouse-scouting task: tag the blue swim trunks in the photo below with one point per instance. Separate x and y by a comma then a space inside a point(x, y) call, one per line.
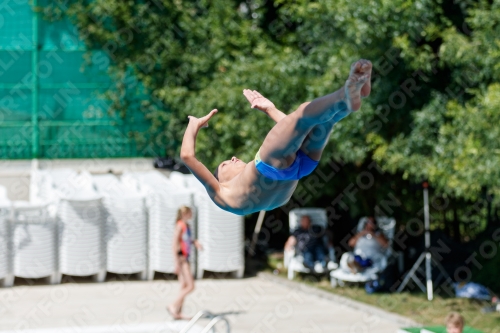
point(301, 167)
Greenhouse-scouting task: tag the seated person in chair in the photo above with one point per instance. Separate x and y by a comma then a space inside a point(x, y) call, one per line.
point(369, 247)
point(308, 240)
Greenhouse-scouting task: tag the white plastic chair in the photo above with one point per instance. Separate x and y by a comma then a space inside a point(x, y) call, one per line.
point(294, 261)
point(337, 277)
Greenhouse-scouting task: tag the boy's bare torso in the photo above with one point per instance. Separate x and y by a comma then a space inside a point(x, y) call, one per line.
point(250, 191)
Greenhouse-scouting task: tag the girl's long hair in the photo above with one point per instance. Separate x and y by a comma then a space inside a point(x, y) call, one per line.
point(181, 211)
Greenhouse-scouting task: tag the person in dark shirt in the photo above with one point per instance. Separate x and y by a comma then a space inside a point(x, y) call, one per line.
point(308, 240)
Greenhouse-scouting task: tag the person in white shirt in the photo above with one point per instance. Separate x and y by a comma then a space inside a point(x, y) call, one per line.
point(369, 246)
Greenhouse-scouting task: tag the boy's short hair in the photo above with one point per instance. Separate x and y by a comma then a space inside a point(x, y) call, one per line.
point(216, 173)
point(455, 319)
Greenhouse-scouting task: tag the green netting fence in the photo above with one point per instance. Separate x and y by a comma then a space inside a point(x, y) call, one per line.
point(51, 103)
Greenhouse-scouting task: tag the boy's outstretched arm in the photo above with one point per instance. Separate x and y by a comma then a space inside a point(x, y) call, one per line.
point(261, 103)
point(188, 153)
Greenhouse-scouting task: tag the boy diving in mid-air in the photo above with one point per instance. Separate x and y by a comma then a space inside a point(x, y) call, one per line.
point(291, 150)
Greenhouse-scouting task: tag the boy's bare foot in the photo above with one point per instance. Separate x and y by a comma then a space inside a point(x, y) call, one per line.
point(358, 84)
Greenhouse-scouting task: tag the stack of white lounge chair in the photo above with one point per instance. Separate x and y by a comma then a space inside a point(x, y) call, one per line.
point(6, 277)
point(163, 199)
point(34, 242)
point(81, 237)
point(126, 226)
point(220, 233)
point(79, 224)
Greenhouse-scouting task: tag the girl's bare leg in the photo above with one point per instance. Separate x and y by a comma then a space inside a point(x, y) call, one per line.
point(187, 285)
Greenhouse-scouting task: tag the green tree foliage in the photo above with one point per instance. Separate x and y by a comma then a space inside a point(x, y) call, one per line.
point(432, 113)
point(192, 57)
point(454, 141)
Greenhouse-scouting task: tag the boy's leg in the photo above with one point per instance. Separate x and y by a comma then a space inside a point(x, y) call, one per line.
point(318, 137)
point(284, 139)
point(288, 135)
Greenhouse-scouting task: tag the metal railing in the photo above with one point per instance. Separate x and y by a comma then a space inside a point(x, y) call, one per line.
point(211, 324)
point(215, 321)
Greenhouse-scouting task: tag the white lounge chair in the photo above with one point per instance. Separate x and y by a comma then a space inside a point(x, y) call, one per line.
point(339, 276)
point(293, 261)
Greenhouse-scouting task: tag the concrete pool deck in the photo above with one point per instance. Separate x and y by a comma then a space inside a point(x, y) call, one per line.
point(259, 304)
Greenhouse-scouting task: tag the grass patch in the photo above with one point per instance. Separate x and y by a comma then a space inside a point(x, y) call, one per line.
point(411, 305)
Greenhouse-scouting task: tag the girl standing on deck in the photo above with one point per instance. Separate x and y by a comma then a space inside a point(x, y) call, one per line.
point(182, 247)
